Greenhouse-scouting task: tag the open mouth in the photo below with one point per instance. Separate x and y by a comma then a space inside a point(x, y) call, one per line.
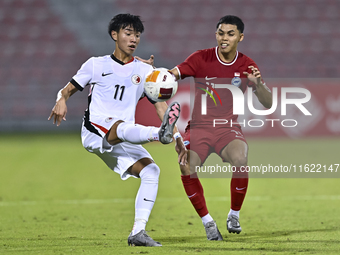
point(224, 45)
point(132, 47)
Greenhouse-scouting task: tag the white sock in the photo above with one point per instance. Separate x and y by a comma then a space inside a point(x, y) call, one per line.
point(146, 196)
point(138, 226)
point(232, 212)
point(207, 218)
point(137, 134)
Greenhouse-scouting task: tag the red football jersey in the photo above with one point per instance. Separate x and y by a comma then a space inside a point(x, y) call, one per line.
point(209, 70)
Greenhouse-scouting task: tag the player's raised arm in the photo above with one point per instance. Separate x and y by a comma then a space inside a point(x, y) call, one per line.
point(59, 110)
point(262, 92)
point(161, 108)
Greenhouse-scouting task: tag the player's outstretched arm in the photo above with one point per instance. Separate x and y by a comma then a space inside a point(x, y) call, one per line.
point(181, 150)
point(59, 110)
point(262, 92)
point(150, 61)
point(161, 108)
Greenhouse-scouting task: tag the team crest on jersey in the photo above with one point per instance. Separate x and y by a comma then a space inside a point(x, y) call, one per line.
point(236, 81)
point(136, 79)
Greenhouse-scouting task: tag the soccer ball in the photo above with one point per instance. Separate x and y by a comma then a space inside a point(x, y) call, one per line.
point(160, 85)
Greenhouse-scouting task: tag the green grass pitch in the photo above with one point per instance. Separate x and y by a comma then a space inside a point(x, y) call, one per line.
point(56, 198)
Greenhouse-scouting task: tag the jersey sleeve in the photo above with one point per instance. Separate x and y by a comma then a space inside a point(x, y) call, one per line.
point(84, 75)
point(190, 66)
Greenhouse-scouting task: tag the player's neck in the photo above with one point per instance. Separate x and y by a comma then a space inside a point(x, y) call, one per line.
point(120, 55)
point(227, 57)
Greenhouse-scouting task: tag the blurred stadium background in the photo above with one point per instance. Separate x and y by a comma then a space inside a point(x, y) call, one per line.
point(44, 42)
point(43, 177)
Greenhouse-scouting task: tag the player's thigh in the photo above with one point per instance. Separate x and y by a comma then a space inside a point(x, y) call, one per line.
point(124, 158)
point(236, 153)
point(111, 135)
point(198, 147)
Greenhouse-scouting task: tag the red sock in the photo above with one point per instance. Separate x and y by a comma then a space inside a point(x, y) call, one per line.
point(194, 190)
point(238, 188)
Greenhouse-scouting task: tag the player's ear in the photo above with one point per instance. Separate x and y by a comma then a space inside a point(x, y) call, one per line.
point(114, 35)
point(241, 37)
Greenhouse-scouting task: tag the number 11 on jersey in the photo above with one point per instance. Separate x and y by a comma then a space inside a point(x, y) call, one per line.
point(121, 88)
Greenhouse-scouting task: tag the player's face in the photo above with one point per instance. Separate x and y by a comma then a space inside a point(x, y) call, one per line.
point(228, 36)
point(127, 40)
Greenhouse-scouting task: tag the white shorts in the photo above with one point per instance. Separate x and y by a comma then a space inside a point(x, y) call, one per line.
point(117, 157)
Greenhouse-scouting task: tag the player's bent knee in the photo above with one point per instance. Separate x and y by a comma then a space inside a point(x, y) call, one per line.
point(239, 160)
point(150, 173)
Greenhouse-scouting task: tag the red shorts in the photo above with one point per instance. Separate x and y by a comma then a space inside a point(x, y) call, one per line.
point(204, 140)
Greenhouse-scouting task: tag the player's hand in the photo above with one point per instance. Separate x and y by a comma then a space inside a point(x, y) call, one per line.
point(181, 151)
point(150, 61)
point(254, 76)
point(58, 112)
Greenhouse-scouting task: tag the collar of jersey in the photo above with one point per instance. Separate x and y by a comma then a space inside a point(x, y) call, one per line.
point(224, 63)
point(121, 62)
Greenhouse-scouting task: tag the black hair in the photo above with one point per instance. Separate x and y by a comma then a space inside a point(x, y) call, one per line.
point(122, 21)
point(233, 20)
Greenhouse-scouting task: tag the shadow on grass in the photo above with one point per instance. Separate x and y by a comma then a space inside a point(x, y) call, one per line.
point(253, 235)
point(270, 234)
point(269, 241)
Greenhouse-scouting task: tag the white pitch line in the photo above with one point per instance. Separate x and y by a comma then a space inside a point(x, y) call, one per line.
point(160, 200)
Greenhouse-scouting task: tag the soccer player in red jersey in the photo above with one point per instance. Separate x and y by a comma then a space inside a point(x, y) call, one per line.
point(208, 66)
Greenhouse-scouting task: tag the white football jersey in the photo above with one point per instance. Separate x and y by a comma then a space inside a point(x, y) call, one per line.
point(115, 87)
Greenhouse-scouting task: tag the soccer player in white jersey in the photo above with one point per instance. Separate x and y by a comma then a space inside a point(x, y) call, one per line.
point(109, 129)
